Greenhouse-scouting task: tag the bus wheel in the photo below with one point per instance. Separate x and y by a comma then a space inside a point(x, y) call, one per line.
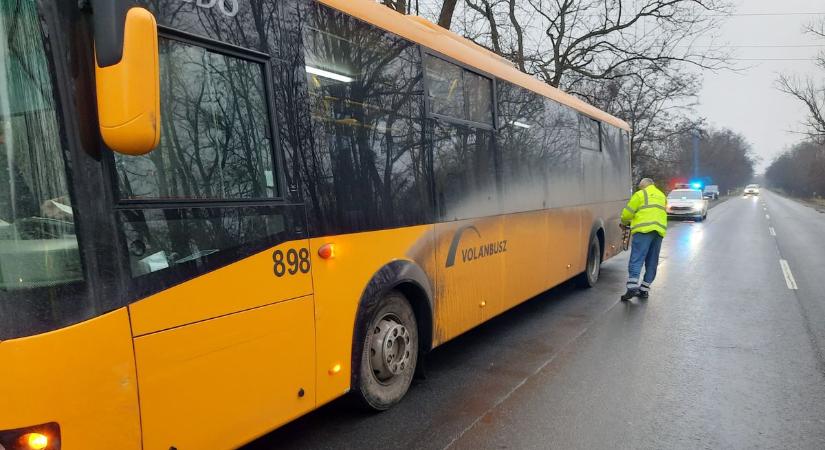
point(590, 276)
point(389, 354)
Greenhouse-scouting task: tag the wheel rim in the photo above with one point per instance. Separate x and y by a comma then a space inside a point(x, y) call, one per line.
point(389, 348)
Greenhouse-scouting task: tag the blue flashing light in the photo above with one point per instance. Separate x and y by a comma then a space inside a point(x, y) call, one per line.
point(696, 185)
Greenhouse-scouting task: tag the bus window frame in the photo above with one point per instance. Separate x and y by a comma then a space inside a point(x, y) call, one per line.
point(135, 288)
point(599, 128)
point(278, 161)
point(139, 287)
point(425, 52)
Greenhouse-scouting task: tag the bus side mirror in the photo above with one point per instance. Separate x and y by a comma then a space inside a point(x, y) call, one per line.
point(128, 88)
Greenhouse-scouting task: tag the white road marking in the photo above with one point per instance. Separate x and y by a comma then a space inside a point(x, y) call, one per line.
point(768, 216)
point(773, 232)
point(786, 270)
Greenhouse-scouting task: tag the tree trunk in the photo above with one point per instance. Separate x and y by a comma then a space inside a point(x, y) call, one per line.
point(445, 19)
point(398, 5)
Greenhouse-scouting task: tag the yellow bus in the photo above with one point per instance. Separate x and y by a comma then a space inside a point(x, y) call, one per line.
point(218, 215)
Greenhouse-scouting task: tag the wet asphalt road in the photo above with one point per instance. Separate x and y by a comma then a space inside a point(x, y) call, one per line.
point(724, 355)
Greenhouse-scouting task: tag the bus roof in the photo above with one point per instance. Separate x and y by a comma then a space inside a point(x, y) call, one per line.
point(430, 35)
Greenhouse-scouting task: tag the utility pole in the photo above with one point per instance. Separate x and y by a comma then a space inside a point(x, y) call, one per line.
point(697, 134)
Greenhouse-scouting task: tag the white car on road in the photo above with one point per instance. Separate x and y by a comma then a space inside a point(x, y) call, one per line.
point(687, 203)
point(752, 189)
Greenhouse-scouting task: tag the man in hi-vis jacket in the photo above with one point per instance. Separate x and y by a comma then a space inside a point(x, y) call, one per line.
point(646, 215)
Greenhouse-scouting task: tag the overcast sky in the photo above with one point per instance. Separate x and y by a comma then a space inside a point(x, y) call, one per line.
point(748, 102)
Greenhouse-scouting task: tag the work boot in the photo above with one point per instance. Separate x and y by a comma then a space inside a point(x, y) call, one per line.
point(630, 294)
point(644, 295)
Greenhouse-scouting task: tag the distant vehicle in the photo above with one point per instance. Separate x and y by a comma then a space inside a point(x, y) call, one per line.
point(687, 203)
point(752, 189)
point(711, 191)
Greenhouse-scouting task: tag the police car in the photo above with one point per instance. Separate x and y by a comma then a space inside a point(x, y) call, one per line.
point(687, 203)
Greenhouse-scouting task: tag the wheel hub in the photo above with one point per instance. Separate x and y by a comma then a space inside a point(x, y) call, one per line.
point(389, 349)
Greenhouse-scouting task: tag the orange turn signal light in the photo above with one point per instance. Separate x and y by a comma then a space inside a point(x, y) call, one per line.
point(335, 369)
point(327, 251)
point(34, 441)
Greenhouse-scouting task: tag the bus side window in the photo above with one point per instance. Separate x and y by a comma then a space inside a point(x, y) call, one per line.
point(182, 208)
point(216, 140)
point(457, 93)
point(368, 161)
point(589, 134)
point(445, 88)
point(465, 173)
point(479, 96)
point(565, 168)
point(525, 153)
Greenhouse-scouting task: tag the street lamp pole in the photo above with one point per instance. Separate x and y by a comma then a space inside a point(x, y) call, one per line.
point(696, 136)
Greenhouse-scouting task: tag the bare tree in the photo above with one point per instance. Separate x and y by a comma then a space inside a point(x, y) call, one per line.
point(657, 106)
point(809, 90)
point(446, 9)
point(728, 159)
point(636, 59)
point(445, 17)
point(399, 5)
point(596, 39)
point(800, 171)
point(813, 96)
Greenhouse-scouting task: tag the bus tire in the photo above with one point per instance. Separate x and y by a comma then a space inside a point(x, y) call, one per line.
point(592, 269)
point(389, 353)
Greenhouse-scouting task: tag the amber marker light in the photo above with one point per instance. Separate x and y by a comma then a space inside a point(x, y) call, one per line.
point(335, 369)
point(34, 441)
point(327, 251)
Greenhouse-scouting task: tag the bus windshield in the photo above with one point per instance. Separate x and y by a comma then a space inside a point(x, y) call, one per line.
point(38, 246)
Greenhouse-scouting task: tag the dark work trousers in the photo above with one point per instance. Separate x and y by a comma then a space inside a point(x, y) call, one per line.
point(644, 250)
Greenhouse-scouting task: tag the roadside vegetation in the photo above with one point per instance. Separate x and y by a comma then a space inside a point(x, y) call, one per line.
point(800, 170)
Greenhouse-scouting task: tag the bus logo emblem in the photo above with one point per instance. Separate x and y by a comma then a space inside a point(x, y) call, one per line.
point(473, 253)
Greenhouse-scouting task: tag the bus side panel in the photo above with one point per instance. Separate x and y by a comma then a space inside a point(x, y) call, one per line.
point(543, 250)
point(527, 267)
point(567, 247)
point(248, 283)
point(223, 382)
point(470, 274)
point(82, 377)
point(339, 283)
point(609, 214)
point(612, 233)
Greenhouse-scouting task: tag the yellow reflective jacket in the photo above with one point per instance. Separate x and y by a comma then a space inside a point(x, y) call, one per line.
point(646, 211)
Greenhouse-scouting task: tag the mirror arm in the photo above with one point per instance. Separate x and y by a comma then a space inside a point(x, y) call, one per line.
point(109, 18)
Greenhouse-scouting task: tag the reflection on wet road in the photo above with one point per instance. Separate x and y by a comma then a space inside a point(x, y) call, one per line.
point(723, 355)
